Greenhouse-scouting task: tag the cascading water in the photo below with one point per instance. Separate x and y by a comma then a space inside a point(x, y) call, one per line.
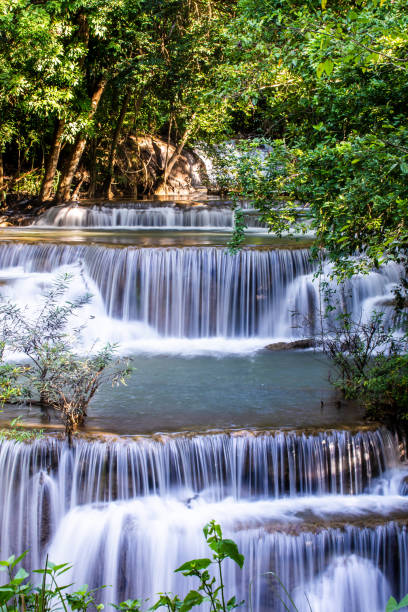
point(119, 539)
point(199, 292)
point(275, 494)
point(324, 513)
point(143, 216)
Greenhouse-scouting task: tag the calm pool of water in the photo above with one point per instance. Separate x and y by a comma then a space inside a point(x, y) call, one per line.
point(266, 390)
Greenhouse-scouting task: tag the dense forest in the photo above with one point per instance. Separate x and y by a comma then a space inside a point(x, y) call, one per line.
point(85, 84)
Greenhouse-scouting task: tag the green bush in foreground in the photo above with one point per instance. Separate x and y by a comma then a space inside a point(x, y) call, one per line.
point(385, 390)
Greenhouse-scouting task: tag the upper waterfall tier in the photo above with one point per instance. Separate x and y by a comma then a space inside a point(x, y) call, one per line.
point(145, 215)
point(191, 292)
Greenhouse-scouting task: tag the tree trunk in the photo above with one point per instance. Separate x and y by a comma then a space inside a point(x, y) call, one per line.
point(52, 162)
point(93, 171)
point(64, 188)
point(160, 187)
point(107, 188)
point(75, 193)
point(2, 190)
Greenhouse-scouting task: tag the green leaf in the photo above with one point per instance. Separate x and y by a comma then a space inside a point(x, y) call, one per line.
point(192, 599)
point(403, 602)
point(21, 575)
point(228, 548)
point(320, 69)
point(195, 564)
point(391, 605)
point(328, 66)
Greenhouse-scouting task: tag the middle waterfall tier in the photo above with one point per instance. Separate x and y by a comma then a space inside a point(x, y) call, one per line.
point(194, 292)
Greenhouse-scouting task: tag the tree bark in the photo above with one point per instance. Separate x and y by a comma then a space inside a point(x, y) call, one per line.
point(64, 188)
point(52, 162)
point(160, 187)
point(75, 193)
point(2, 190)
point(112, 152)
point(93, 171)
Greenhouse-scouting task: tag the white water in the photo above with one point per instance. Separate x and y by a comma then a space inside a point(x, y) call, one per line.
point(129, 216)
point(352, 582)
point(189, 300)
point(126, 514)
point(325, 512)
point(122, 538)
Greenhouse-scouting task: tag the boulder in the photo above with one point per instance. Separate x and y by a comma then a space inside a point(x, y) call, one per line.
point(304, 343)
point(142, 159)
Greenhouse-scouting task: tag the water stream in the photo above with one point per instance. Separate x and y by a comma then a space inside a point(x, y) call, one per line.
point(192, 292)
point(141, 503)
point(215, 426)
point(146, 215)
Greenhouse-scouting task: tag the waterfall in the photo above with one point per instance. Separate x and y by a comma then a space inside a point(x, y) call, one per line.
point(193, 292)
point(324, 512)
point(135, 548)
point(119, 500)
point(141, 215)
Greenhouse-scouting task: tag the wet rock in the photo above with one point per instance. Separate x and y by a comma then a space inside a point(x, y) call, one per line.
point(403, 488)
point(305, 343)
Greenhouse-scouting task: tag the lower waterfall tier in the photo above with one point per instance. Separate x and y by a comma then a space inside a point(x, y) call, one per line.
point(326, 512)
point(135, 548)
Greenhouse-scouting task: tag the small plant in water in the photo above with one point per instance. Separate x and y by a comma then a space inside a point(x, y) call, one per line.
point(208, 590)
point(56, 377)
point(17, 432)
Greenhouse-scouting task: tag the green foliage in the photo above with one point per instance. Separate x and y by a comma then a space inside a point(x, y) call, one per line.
point(10, 389)
point(18, 594)
point(57, 377)
point(329, 88)
point(371, 364)
point(384, 390)
point(128, 605)
point(157, 56)
point(17, 432)
point(393, 605)
point(238, 235)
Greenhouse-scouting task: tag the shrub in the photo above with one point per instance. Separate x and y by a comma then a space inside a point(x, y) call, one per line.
point(371, 365)
point(56, 377)
point(384, 390)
